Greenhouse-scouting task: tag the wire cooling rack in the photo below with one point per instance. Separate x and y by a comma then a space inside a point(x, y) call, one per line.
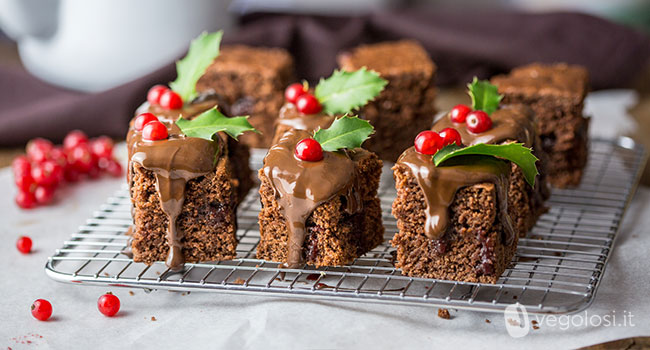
point(557, 267)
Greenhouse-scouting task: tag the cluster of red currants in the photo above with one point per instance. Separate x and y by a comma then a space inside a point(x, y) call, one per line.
point(151, 128)
point(164, 97)
point(305, 102)
point(429, 142)
point(46, 166)
point(477, 121)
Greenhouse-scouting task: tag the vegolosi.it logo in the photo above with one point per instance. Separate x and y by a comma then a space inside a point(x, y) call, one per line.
point(518, 322)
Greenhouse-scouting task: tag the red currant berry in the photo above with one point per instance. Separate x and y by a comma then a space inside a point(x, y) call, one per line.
point(71, 174)
point(94, 172)
point(449, 136)
point(294, 91)
point(459, 113)
point(111, 166)
point(25, 182)
point(478, 122)
point(74, 139)
point(24, 244)
point(108, 304)
point(308, 104)
point(44, 194)
point(21, 166)
point(81, 158)
point(154, 131)
point(309, 150)
point(41, 309)
point(25, 199)
point(58, 155)
point(39, 149)
point(143, 119)
point(154, 94)
point(48, 173)
point(428, 142)
point(102, 147)
point(170, 100)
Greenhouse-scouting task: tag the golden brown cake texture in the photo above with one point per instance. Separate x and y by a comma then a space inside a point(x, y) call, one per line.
point(556, 93)
point(252, 81)
point(406, 106)
point(334, 221)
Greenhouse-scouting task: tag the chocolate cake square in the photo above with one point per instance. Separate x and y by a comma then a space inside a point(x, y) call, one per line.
point(252, 82)
point(556, 93)
point(462, 221)
point(306, 219)
point(185, 191)
point(406, 106)
point(479, 242)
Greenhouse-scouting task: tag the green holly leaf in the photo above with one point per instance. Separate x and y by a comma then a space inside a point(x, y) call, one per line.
point(345, 132)
point(345, 91)
point(211, 122)
point(203, 50)
point(485, 96)
point(514, 152)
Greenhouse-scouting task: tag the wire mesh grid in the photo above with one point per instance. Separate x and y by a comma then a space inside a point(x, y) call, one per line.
point(557, 267)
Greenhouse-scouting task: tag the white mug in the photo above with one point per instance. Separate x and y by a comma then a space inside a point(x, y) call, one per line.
point(93, 45)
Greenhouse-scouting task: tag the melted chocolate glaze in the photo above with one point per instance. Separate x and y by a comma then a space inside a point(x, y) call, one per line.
point(440, 184)
point(301, 186)
point(174, 162)
point(289, 118)
point(509, 123)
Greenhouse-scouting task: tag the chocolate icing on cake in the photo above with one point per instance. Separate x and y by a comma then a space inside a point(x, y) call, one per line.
point(290, 118)
point(509, 123)
point(301, 186)
point(440, 184)
point(174, 162)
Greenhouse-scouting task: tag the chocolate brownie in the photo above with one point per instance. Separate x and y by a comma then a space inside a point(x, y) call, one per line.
point(184, 192)
point(305, 220)
point(462, 221)
point(556, 93)
point(406, 106)
point(513, 123)
point(454, 223)
point(252, 81)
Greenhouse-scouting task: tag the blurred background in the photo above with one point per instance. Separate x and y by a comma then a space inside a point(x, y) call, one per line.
point(67, 55)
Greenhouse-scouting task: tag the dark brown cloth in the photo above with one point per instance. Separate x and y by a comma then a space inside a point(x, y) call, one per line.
point(462, 44)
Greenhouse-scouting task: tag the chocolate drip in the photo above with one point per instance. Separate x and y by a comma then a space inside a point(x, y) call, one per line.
point(440, 184)
point(174, 162)
point(300, 187)
point(289, 118)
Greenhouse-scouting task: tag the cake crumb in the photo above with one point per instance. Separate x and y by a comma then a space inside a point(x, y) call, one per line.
point(153, 318)
point(535, 324)
point(487, 321)
point(239, 281)
point(131, 292)
point(106, 274)
point(444, 313)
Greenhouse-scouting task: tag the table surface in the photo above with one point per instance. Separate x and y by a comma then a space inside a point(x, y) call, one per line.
point(174, 319)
